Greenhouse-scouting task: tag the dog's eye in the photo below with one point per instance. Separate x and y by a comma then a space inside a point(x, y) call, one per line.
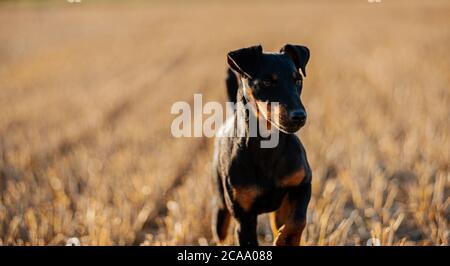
point(298, 82)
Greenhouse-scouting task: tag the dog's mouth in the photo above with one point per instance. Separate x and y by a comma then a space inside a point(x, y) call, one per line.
point(278, 118)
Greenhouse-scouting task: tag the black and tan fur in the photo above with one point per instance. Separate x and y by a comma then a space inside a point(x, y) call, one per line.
point(251, 180)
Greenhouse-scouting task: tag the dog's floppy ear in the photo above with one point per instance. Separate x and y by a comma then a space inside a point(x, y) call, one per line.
point(298, 54)
point(245, 61)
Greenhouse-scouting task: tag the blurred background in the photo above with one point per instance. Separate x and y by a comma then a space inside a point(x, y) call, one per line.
point(86, 90)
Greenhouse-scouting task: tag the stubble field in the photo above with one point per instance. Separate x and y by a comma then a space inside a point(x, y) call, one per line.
point(86, 90)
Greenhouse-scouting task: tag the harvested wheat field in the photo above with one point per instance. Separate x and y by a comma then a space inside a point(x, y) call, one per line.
point(86, 91)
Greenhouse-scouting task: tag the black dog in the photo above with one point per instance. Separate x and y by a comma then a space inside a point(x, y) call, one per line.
point(252, 180)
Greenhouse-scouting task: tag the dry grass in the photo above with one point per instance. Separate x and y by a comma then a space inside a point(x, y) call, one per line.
point(85, 96)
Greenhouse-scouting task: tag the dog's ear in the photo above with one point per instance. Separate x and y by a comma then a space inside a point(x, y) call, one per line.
point(298, 54)
point(245, 61)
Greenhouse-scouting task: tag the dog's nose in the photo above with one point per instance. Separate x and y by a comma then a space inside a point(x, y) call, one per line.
point(298, 116)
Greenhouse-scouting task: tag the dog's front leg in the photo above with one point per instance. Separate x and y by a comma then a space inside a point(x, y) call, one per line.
point(292, 215)
point(246, 230)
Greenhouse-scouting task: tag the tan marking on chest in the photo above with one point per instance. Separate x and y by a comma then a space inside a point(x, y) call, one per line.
point(294, 179)
point(245, 196)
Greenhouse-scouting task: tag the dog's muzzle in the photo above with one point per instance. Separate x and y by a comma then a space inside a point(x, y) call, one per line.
point(297, 117)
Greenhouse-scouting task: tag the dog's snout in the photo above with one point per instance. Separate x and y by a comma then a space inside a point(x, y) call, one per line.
point(298, 116)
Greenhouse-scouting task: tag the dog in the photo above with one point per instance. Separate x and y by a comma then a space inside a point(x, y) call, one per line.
point(251, 180)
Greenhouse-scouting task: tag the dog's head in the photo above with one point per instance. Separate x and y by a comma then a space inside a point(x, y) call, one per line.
point(274, 77)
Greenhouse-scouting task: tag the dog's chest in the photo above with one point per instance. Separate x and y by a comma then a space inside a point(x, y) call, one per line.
point(292, 179)
point(281, 173)
point(266, 195)
point(260, 178)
